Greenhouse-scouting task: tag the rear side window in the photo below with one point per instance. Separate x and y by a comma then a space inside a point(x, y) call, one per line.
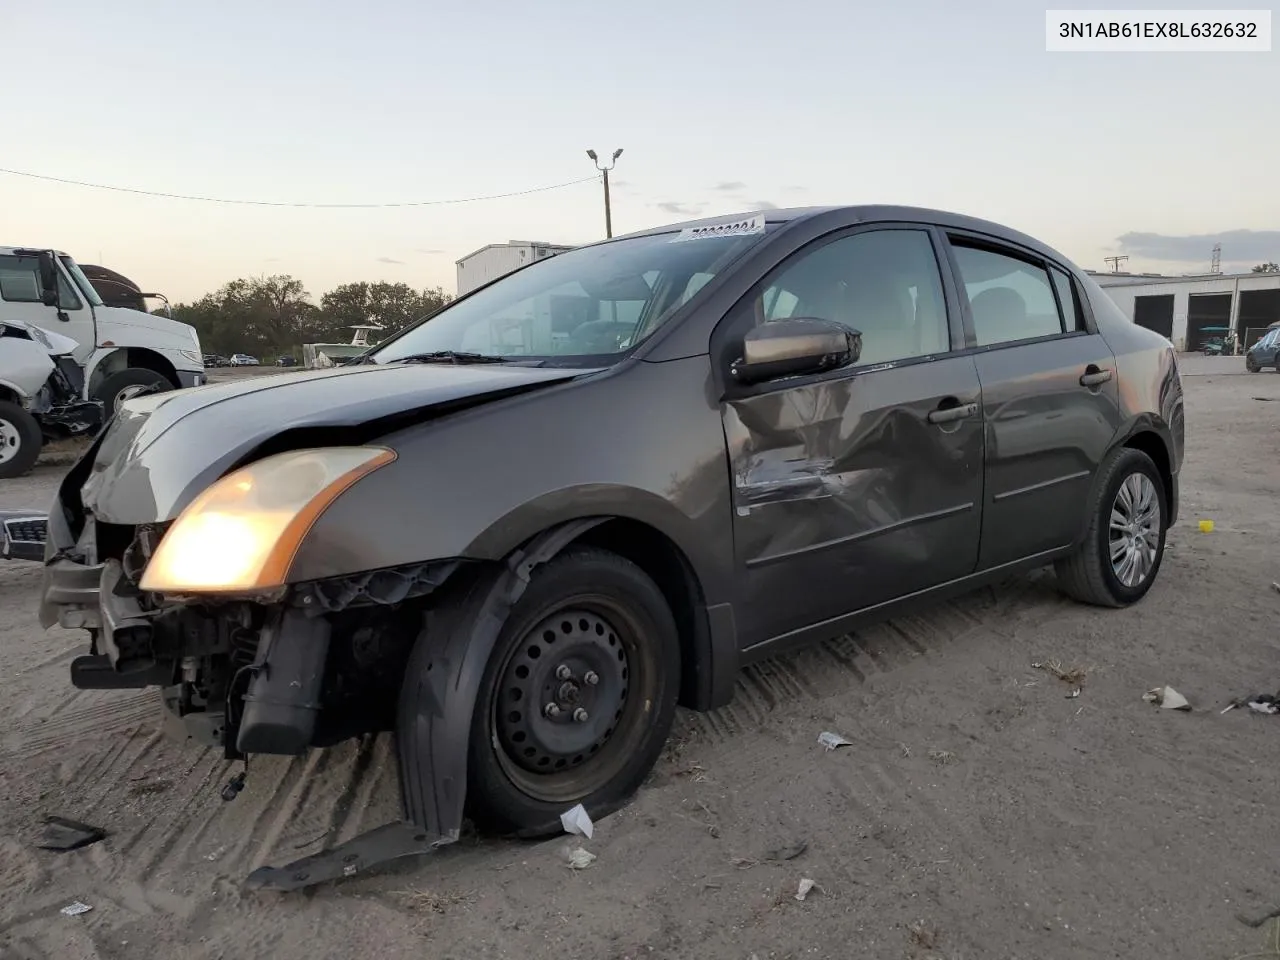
point(1072, 315)
point(1010, 299)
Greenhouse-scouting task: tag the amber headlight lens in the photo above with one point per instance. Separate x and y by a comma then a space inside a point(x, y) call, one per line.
point(243, 532)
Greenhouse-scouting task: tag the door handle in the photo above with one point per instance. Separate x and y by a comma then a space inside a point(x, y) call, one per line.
point(951, 414)
point(1093, 376)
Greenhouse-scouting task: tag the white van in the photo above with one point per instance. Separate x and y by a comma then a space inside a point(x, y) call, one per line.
point(123, 352)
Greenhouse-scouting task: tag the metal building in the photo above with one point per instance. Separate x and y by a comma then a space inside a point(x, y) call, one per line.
point(498, 259)
point(1186, 309)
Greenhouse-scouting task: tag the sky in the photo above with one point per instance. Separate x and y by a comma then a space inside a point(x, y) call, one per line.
point(721, 106)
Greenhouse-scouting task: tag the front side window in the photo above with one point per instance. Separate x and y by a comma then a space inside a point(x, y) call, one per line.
point(20, 282)
point(1010, 299)
point(883, 283)
point(588, 305)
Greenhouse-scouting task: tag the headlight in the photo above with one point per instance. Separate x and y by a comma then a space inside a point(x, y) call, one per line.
point(194, 356)
point(243, 532)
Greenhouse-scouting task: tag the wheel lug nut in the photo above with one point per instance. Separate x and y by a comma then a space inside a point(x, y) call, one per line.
point(580, 715)
point(563, 672)
point(551, 710)
point(591, 678)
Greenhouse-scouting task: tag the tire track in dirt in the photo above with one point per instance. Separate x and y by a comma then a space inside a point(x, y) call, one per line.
point(108, 717)
point(831, 667)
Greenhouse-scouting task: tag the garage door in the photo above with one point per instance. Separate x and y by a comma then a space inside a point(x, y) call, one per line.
point(1206, 310)
point(1258, 310)
point(1155, 313)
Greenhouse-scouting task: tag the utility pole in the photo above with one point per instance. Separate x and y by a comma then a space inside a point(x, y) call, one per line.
point(608, 214)
point(1115, 262)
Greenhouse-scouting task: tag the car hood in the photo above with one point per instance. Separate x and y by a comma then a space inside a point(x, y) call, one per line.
point(162, 449)
point(133, 327)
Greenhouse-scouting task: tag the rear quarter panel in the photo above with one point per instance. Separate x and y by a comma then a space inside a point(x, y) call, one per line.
point(1150, 385)
point(643, 442)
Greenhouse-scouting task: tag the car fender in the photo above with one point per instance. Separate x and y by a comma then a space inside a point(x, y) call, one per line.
point(444, 675)
point(1141, 423)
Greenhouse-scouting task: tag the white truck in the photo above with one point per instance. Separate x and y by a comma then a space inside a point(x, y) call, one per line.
point(122, 352)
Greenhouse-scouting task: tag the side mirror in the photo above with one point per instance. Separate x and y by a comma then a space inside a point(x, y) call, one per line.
point(795, 347)
point(48, 279)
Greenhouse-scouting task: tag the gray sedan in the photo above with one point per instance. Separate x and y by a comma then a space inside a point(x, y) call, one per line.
point(524, 530)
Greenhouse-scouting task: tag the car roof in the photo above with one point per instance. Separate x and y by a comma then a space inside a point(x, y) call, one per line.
point(868, 213)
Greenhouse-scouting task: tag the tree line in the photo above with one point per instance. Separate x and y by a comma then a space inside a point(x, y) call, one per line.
point(273, 316)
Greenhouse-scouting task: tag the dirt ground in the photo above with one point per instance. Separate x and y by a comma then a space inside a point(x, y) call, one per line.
point(980, 812)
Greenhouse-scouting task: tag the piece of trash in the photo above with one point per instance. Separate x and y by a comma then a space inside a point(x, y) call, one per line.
point(62, 834)
point(805, 886)
point(1073, 694)
point(75, 909)
point(577, 821)
point(833, 740)
point(1265, 703)
point(1275, 586)
point(1168, 698)
point(788, 853)
point(580, 859)
point(1206, 526)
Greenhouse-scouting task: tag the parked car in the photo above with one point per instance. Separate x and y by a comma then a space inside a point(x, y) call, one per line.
point(243, 360)
point(1264, 353)
point(286, 362)
point(521, 544)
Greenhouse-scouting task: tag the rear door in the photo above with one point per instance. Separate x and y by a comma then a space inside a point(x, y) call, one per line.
point(858, 485)
point(1049, 395)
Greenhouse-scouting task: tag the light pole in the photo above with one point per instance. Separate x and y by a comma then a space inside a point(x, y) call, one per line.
point(608, 215)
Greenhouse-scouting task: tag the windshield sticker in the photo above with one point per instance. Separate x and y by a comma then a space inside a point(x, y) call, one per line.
point(733, 228)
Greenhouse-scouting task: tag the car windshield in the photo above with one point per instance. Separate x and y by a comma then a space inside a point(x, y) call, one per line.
point(86, 288)
point(585, 306)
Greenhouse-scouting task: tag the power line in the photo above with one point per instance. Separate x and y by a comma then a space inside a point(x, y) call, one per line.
point(273, 203)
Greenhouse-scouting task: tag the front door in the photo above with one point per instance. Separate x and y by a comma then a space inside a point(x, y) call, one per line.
point(863, 484)
point(20, 299)
point(1049, 396)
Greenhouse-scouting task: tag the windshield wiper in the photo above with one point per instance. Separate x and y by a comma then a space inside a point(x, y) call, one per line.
point(451, 356)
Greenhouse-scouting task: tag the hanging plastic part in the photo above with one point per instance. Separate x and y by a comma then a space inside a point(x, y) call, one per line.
point(235, 785)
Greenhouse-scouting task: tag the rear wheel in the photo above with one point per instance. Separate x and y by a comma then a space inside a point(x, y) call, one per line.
point(20, 440)
point(1122, 551)
point(127, 384)
point(578, 697)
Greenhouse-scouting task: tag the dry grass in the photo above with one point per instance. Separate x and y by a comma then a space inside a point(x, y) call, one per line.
point(1072, 676)
point(426, 901)
point(941, 757)
point(924, 935)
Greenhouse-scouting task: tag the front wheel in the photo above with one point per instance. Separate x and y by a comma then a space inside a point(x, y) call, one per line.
point(1252, 367)
point(126, 384)
point(578, 697)
point(20, 440)
point(1123, 548)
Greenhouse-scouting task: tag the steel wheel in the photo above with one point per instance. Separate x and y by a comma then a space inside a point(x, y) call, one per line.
point(566, 699)
point(1134, 537)
point(10, 441)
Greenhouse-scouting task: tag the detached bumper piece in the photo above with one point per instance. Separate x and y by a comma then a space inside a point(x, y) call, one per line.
point(71, 420)
point(371, 849)
point(22, 535)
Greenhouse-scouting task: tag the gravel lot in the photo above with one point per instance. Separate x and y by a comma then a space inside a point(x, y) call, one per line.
point(980, 811)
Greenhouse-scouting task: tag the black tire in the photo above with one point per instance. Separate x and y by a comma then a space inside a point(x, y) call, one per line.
point(1250, 366)
point(21, 438)
point(130, 382)
point(601, 761)
point(1088, 574)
